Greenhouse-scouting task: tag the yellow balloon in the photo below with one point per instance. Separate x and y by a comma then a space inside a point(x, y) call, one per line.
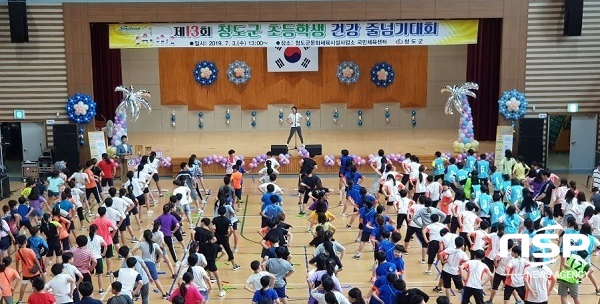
point(461, 146)
point(468, 145)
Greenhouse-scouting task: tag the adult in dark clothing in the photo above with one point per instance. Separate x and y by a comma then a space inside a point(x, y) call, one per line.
point(409, 296)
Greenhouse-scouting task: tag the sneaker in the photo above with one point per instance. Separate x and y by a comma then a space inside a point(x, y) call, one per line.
point(101, 291)
point(222, 293)
point(135, 240)
point(428, 272)
point(82, 228)
point(308, 229)
point(235, 250)
point(519, 302)
point(357, 239)
point(192, 227)
point(488, 302)
point(177, 264)
point(357, 256)
point(200, 211)
point(213, 280)
point(348, 226)
point(149, 211)
point(302, 213)
point(236, 267)
point(437, 289)
point(108, 273)
point(598, 292)
point(135, 298)
point(186, 250)
point(422, 261)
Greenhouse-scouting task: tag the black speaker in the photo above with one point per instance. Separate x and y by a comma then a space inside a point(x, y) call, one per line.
point(4, 186)
point(314, 149)
point(66, 145)
point(279, 149)
point(573, 17)
point(532, 141)
point(17, 16)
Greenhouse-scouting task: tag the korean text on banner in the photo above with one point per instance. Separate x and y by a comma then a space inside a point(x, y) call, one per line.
point(504, 141)
point(97, 144)
point(305, 34)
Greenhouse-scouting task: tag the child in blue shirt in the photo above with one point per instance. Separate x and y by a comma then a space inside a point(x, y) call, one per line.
point(496, 179)
point(497, 210)
point(504, 187)
point(484, 201)
point(470, 161)
point(516, 192)
point(461, 175)
point(451, 172)
point(265, 292)
point(438, 166)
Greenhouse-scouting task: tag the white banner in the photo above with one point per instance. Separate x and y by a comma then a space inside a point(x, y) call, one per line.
point(292, 59)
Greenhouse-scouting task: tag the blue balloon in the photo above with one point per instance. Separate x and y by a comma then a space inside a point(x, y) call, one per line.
point(360, 122)
point(253, 113)
point(308, 123)
point(387, 114)
point(253, 123)
point(360, 112)
point(227, 116)
point(200, 114)
point(200, 125)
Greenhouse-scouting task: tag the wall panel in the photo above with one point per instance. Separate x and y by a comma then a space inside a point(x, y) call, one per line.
point(307, 90)
point(559, 69)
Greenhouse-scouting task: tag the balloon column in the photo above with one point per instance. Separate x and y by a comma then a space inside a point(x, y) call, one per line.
point(329, 160)
point(120, 128)
point(459, 101)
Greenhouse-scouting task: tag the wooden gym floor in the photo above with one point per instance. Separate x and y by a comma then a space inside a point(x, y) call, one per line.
point(355, 274)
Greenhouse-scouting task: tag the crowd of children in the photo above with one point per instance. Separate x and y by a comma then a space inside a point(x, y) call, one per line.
point(458, 212)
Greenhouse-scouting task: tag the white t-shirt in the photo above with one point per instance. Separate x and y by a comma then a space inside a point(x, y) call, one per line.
point(455, 258)
point(476, 271)
point(595, 223)
point(579, 210)
point(414, 170)
point(72, 271)
point(185, 194)
point(434, 191)
point(392, 190)
point(263, 188)
point(295, 120)
point(199, 275)
point(76, 193)
point(448, 240)
point(320, 297)
point(120, 204)
point(516, 268)
point(377, 161)
point(155, 164)
point(274, 163)
point(128, 278)
point(468, 220)
point(421, 185)
point(403, 204)
point(263, 172)
point(201, 260)
point(493, 245)
point(95, 245)
point(148, 169)
point(434, 231)
point(503, 264)
point(80, 179)
point(538, 278)
point(137, 184)
point(480, 236)
point(458, 207)
point(254, 279)
point(61, 288)
point(113, 214)
point(406, 166)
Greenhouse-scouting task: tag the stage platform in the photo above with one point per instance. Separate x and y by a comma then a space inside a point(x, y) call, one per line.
point(180, 145)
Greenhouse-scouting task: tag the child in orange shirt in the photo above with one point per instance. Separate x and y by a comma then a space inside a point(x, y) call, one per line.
point(236, 183)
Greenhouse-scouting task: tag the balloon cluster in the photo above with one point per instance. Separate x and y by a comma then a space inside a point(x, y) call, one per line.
point(120, 128)
point(219, 159)
point(81, 137)
point(358, 160)
point(200, 120)
point(512, 104)
point(382, 74)
point(173, 119)
point(308, 118)
point(387, 114)
point(227, 117)
point(413, 116)
point(348, 72)
point(284, 159)
point(239, 72)
point(205, 73)
point(303, 153)
point(81, 108)
point(360, 122)
point(336, 115)
point(258, 159)
point(329, 160)
point(466, 135)
point(253, 119)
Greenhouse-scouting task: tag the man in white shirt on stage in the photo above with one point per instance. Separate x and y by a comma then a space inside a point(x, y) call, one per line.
point(295, 120)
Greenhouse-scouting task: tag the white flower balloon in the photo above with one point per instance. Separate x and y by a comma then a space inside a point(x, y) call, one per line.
point(133, 100)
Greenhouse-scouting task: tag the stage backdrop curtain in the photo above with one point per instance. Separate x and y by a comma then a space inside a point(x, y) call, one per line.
point(483, 67)
point(106, 67)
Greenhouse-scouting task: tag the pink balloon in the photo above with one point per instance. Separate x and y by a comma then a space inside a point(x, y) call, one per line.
point(168, 158)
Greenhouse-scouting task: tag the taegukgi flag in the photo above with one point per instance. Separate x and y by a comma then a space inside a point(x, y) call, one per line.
point(293, 59)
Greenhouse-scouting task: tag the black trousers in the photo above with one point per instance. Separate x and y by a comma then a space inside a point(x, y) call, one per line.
point(224, 242)
point(469, 292)
point(295, 130)
point(169, 242)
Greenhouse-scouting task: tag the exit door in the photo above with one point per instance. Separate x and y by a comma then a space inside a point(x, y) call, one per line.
point(33, 137)
point(583, 142)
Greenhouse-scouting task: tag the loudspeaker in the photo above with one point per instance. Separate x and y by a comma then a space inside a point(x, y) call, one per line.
point(279, 149)
point(4, 186)
point(573, 17)
point(315, 149)
point(17, 16)
point(66, 145)
point(532, 141)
